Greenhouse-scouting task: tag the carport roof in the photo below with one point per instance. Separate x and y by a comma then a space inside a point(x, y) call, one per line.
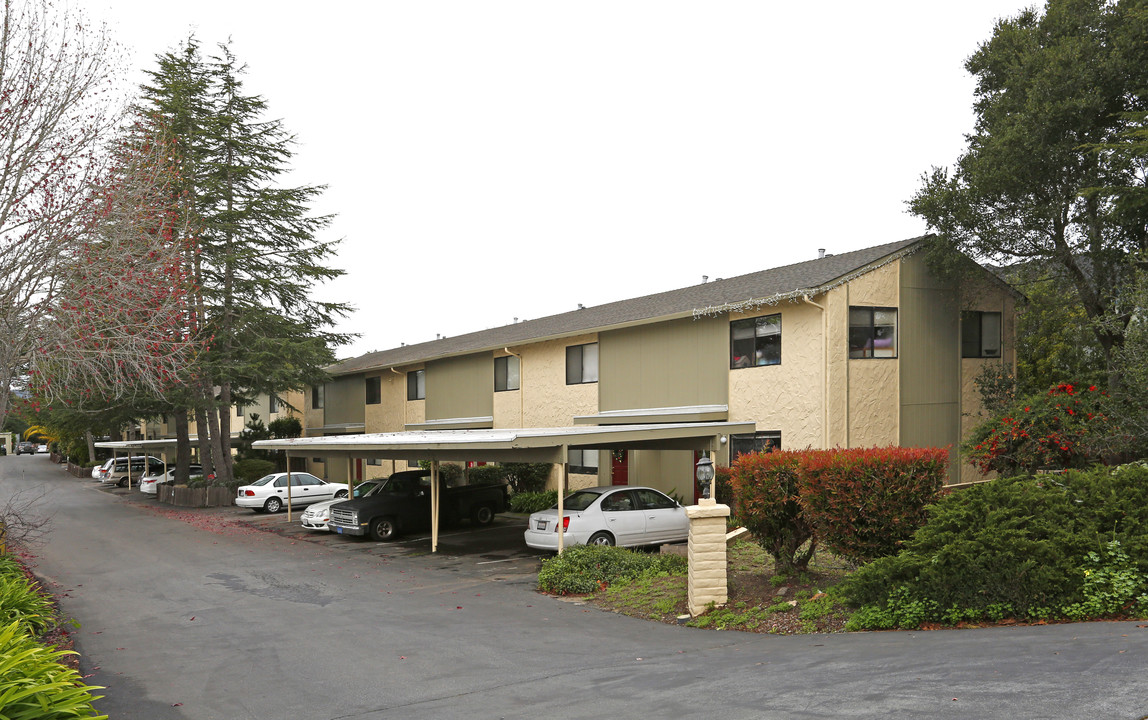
point(547, 444)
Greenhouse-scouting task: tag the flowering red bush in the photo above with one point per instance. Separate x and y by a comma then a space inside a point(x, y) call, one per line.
point(864, 502)
point(1067, 427)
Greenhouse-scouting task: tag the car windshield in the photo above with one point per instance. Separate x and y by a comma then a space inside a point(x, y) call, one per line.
point(366, 487)
point(264, 480)
point(579, 500)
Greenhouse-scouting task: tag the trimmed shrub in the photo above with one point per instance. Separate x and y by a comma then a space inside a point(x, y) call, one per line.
point(864, 502)
point(723, 486)
point(766, 489)
point(584, 569)
point(249, 470)
point(532, 502)
point(486, 475)
point(527, 477)
point(1023, 547)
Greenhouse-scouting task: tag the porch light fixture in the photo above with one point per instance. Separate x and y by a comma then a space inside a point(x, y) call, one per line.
point(705, 476)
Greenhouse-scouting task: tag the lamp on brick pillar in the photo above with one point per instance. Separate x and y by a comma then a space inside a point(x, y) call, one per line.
point(705, 474)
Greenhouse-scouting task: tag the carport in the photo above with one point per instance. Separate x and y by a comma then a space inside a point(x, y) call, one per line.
point(519, 445)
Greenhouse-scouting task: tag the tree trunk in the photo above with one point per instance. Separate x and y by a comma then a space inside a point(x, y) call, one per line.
point(182, 447)
point(91, 445)
point(226, 465)
point(206, 458)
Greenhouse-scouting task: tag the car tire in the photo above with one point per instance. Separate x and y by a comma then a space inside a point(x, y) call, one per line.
point(482, 515)
point(273, 505)
point(601, 538)
point(123, 482)
point(384, 528)
point(341, 495)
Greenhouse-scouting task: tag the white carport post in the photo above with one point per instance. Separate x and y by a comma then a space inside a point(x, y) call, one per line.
point(288, 489)
point(434, 505)
point(561, 494)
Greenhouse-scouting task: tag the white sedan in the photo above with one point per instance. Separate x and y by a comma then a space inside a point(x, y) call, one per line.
point(269, 493)
point(148, 482)
point(622, 515)
point(317, 515)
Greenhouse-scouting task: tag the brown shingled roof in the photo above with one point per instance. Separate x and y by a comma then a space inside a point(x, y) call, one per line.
point(774, 283)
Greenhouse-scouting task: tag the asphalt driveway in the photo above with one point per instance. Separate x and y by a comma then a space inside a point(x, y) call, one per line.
point(205, 614)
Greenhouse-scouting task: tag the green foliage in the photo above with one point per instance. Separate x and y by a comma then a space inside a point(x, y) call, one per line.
point(767, 491)
point(253, 430)
point(996, 386)
point(723, 486)
point(740, 615)
point(34, 685)
point(1069, 426)
point(1013, 546)
point(864, 502)
point(251, 469)
point(285, 427)
point(486, 475)
point(21, 600)
point(527, 477)
point(531, 502)
point(584, 569)
point(1112, 585)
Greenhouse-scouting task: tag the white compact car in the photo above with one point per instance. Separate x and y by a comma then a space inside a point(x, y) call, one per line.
point(622, 515)
point(269, 493)
point(148, 482)
point(317, 515)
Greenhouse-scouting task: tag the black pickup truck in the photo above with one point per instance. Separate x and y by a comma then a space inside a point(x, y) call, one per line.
point(403, 503)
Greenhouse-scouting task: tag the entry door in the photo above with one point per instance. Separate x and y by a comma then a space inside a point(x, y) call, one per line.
point(358, 470)
point(619, 467)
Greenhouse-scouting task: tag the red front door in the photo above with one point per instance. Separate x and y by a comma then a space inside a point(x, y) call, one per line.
point(358, 469)
point(619, 467)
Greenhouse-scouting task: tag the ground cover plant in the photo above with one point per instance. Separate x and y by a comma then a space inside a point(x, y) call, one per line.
point(35, 682)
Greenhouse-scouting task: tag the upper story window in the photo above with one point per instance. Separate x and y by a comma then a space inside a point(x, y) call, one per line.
point(584, 462)
point(980, 334)
point(582, 364)
point(506, 373)
point(374, 390)
point(872, 332)
point(238, 410)
point(272, 405)
point(755, 341)
point(317, 397)
point(417, 385)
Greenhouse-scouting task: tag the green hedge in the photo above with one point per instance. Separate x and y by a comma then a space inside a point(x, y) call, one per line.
point(584, 569)
point(532, 502)
point(1024, 547)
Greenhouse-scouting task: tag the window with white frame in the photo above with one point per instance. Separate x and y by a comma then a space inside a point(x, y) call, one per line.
point(506, 373)
point(980, 334)
point(417, 385)
point(755, 341)
point(872, 332)
point(582, 364)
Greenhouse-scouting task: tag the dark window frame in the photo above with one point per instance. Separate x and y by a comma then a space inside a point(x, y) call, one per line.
point(414, 391)
point(373, 390)
point(580, 467)
point(576, 364)
point(872, 334)
point(753, 442)
point(973, 333)
point(317, 397)
point(272, 404)
point(760, 342)
point(502, 377)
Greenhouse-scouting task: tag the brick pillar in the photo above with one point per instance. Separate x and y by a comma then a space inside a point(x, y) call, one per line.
point(707, 574)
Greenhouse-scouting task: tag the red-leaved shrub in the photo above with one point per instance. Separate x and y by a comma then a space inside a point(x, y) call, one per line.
point(864, 502)
point(766, 491)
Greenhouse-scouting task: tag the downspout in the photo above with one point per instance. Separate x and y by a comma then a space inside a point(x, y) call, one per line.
point(394, 462)
point(521, 391)
point(825, 371)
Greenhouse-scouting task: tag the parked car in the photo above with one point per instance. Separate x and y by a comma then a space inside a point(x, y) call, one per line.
point(41, 448)
point(118, 471)
point(25, 447)
point(624, 516)
point(403, 503)
point(317, 515)
point(269, 493)
point(99, 472)
point(149, 482)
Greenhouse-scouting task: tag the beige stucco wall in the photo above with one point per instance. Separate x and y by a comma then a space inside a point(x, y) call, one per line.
point(785, 397)
point(864, 401)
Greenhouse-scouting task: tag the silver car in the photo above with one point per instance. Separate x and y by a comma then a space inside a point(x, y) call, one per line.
point(622, 515)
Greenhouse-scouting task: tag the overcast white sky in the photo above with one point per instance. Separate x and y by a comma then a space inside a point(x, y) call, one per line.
point(493, 160)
